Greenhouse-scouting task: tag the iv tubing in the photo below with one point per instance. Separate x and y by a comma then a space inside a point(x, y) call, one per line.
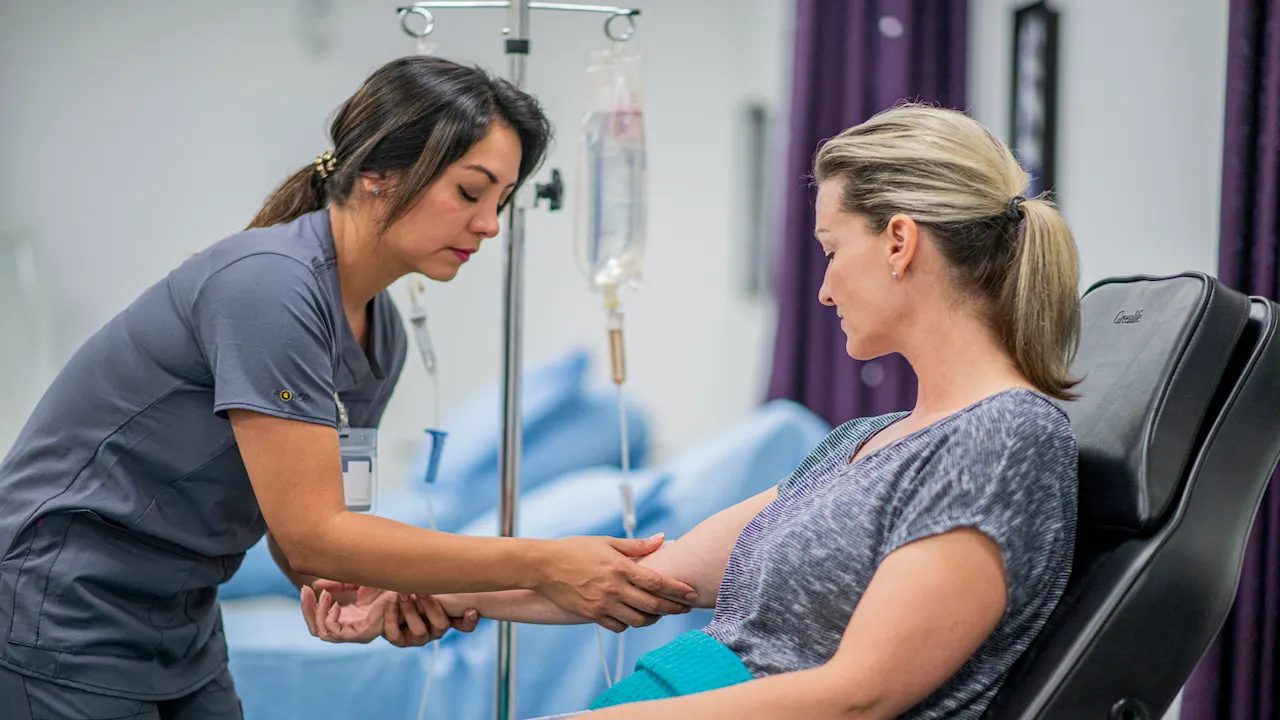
point(419, 319)
point(618, 373)
point(628, 512)
point(604, 656)
point(431, 521)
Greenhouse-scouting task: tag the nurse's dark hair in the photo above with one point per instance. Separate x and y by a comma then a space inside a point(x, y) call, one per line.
point(411, 119)
point(1014, 256)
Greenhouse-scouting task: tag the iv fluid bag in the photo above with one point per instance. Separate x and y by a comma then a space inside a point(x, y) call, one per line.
point(612, 185)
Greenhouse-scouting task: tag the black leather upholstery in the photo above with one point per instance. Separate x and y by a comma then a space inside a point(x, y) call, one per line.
point(1151, 354)
point(1156, 574)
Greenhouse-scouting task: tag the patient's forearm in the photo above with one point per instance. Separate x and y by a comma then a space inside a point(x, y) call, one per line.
point(522, 606)
point(697, 559)
point(528, 606)
point(700, 556)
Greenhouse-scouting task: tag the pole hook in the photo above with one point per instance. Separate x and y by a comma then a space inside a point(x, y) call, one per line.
point(429, 21)
point(626, 34)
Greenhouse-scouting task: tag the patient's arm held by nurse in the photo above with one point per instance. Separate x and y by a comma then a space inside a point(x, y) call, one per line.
point(698, 558)
point(294, 466)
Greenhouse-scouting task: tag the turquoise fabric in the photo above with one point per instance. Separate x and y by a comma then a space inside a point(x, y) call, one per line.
point(692, 663)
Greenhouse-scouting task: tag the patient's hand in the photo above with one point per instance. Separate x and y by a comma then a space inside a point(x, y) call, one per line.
point(351, 613)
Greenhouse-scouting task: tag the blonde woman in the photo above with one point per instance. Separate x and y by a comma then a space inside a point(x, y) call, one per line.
point(910, 560)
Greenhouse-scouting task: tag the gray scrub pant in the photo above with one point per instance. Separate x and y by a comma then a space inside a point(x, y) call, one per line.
point(25, 698)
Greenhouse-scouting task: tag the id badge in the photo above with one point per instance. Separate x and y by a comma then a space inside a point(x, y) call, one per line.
point(359, 467)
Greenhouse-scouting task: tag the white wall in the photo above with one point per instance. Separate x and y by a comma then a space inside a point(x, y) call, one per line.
point(1142, 87)
point(136, 134)
point(1142, 92)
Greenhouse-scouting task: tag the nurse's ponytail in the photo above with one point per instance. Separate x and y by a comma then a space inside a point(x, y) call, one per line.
point(301, 193)
point(413, 117)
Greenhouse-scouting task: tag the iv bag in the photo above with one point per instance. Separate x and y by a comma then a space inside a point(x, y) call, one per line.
point(612, 186)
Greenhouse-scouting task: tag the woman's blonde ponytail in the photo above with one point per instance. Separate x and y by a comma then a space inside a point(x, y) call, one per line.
point(1039, 309)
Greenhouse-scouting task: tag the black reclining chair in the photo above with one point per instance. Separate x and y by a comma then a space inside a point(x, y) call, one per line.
point(1179, 431)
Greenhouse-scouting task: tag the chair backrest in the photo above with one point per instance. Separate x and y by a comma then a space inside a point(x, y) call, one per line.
point(1179, 430)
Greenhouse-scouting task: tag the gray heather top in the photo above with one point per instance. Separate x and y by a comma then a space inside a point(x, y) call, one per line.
point(1005, 465)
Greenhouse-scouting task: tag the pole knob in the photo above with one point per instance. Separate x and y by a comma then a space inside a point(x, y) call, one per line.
point(553, 191)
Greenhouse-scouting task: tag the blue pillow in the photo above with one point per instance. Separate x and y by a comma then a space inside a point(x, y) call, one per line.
point(737, 462)
point(475, 429)
point(584, 502)
point(582, 433)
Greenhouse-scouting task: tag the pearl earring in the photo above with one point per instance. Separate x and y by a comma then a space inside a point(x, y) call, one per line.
point(895, 274)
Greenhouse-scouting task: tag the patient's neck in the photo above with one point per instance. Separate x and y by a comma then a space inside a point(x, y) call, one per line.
point(958, 360)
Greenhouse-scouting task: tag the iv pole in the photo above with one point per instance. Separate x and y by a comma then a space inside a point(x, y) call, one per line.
point(517, 51)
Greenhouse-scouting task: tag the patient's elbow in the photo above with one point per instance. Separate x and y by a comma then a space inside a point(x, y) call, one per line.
point(861, 706)
point(867, 710)
point(847, 700)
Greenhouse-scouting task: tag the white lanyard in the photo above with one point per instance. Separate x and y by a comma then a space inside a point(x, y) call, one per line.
point(343, 420)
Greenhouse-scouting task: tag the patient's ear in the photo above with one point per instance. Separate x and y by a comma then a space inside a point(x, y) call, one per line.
point(902, 238)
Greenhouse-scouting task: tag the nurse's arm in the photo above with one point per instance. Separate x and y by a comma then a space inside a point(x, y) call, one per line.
point(294, 468)
point(282, 561)
point(699, 559)
point(929, 607)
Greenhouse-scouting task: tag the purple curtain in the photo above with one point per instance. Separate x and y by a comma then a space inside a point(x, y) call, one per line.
point(852, 59)
point(1237, 678)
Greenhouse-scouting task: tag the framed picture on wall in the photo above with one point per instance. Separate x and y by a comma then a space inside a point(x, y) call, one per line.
point(1035, 93)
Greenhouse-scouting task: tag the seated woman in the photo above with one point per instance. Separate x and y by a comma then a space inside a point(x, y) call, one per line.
point(910, 560)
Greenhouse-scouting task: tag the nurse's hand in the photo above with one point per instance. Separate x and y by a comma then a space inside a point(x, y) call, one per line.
point(598, 578)
point(420, 619)
point(351, 613)
point(359, 620)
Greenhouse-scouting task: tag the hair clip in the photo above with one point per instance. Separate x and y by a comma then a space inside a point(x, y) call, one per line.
point(1014, 211)
point(325, 162)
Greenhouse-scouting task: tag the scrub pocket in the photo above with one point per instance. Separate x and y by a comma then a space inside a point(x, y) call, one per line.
point(26, 698)
point(92, 587)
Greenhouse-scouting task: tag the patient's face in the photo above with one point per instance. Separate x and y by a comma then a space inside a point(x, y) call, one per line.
point(859, 280)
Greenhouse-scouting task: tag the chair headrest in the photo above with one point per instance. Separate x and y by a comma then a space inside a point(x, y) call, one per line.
point(1152, 352)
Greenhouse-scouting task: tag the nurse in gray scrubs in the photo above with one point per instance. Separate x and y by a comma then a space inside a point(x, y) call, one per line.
point(205, 414)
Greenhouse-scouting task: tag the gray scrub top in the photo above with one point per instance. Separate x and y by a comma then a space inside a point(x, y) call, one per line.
point(124, 502)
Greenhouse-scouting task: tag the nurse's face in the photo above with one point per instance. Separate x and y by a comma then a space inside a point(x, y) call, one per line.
point(458, 211)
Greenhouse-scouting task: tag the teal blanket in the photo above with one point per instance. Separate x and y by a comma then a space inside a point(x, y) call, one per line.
point(692, 663)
